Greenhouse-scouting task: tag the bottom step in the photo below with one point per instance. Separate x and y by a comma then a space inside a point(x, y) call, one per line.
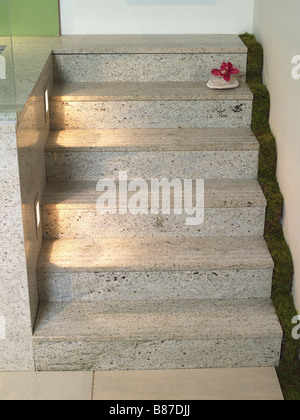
point(189, 334)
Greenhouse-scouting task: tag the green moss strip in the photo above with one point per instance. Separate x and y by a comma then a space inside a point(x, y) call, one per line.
point(289, 369)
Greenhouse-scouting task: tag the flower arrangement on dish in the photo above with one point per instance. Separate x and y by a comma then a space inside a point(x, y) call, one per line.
point(224, 77)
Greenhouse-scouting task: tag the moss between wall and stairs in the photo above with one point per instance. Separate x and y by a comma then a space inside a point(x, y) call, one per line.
point(289, 369)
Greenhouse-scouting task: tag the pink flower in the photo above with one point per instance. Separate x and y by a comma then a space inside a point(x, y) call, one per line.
point(225, 71)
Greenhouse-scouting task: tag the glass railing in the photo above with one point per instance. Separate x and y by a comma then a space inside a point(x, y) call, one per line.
point(8, 104)
point(22, 59)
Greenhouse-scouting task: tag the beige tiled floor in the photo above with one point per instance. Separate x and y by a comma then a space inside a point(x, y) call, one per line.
point(205, 384)
point(46, 386)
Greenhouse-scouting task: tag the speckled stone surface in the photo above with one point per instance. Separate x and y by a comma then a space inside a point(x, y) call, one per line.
point(231, 208)
point(151, 285)
point(22, 176)
point(32, 132)
point(149, 268)
point(149, 140)
point(146, 91)
point(15, 312)
point(92, 166)
point(142, 67)
point(157, 355)
point(225, 193)
point(124, 44)
point(157, 335)
point(148, 105)
point(154, 254)
point(88, 223)
point(77, 155)
point(151, 114)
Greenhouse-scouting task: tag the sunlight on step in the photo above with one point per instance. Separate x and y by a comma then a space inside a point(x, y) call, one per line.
point(90, 254)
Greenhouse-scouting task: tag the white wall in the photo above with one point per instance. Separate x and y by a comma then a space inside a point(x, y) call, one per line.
point(277, 27)
point(155, 16)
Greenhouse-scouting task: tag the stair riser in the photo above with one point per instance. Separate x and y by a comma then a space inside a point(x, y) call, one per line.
point(142, 67)
point(65, 224)
point(175, 354)
point(151, 114)
point(153, 285)
point(93, 166)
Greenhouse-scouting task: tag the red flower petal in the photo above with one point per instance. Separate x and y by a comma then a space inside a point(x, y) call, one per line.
point(227, 78)
point(216, 72)
point(230, 66)
point(234, 71)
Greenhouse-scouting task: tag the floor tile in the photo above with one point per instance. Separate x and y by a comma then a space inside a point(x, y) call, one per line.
point(205, 384)
point(46, 386)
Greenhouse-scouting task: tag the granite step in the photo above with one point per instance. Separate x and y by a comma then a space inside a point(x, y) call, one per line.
point(231, 208)
point(189, 334)
point(88, 155)
point(105, 58)
point(154, 268)
point(155, 43)
point(148, 105)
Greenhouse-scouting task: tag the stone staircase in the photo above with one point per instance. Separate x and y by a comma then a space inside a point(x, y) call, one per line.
point(148, 291)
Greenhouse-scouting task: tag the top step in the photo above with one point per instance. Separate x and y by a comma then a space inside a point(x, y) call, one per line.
point(152, 44)
point(145, 58)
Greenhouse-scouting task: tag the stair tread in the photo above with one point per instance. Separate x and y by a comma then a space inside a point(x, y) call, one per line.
point(156, 139)
point(164, 320)
point(132, 44)
point(226, 193)
point(154, 254)
point(145, 91)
